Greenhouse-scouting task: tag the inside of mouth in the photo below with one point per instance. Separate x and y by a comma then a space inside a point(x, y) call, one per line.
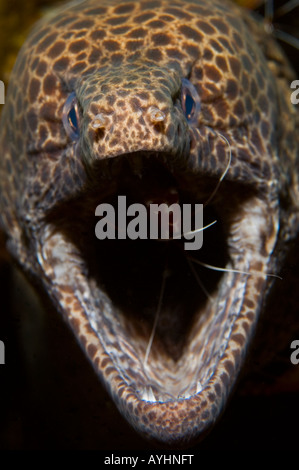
point(162, 316)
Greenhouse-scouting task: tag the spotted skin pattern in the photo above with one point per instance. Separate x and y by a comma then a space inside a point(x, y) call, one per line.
point(123, 59)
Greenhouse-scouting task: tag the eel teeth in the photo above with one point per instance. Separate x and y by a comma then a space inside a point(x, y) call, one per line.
point(147, 394)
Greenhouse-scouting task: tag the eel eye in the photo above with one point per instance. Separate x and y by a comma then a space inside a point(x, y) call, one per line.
point(190, 101)
point(70, 117)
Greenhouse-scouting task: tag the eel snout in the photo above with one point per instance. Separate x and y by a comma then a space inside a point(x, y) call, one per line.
point(132, 109)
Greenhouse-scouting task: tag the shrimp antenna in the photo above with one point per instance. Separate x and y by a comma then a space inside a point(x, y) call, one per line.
point(157, 315)
point(225, 171)
point(229, 270)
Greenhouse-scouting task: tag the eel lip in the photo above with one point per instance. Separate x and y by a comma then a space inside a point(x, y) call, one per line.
point(166, 335)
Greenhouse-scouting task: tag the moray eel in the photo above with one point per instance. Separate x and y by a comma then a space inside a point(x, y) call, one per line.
point(152, 99)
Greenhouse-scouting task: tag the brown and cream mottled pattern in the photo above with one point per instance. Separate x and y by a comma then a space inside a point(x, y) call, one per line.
point(125, 61)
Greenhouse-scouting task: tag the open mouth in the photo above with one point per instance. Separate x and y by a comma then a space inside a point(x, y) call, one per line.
point(162, 315)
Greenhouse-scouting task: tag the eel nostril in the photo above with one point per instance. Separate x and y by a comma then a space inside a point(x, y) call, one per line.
point(156, 115)
point(99, 122)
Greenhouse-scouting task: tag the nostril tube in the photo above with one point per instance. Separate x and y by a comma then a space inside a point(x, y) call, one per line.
point(99, 122)
point(156, 115)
